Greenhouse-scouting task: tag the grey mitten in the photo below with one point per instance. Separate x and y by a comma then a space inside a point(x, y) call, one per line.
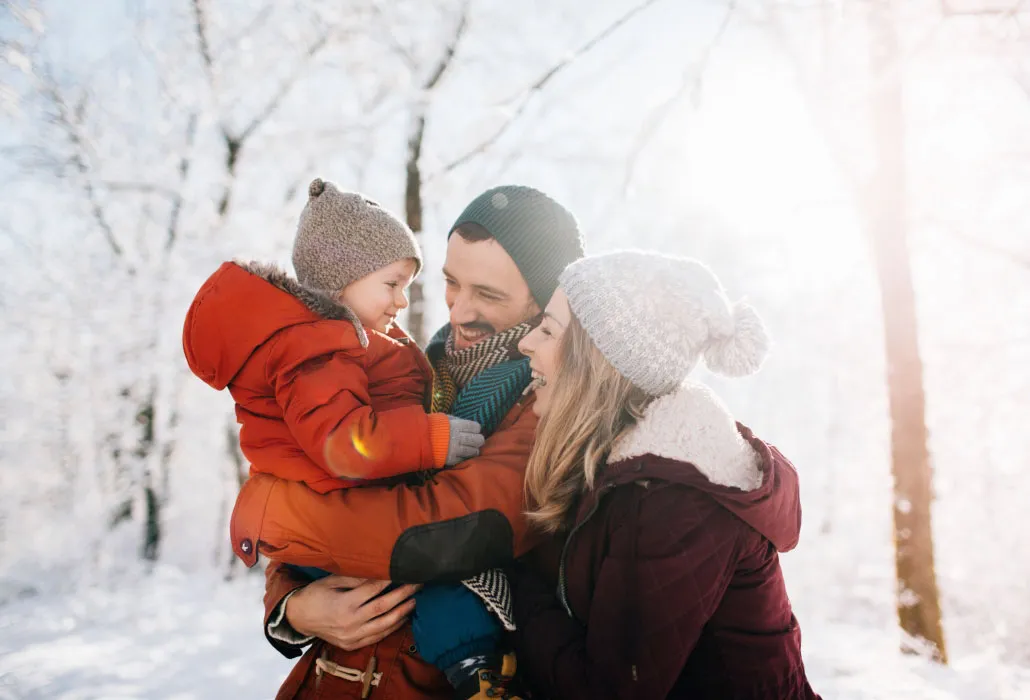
point(465, 440)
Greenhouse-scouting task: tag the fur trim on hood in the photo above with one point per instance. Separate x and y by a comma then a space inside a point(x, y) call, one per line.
point(693, 425)
point(317, 301)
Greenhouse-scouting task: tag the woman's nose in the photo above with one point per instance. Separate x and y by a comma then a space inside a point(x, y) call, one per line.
point(525, 347)
point(402, 301)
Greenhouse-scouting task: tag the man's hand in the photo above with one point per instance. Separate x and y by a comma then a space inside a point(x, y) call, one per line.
point(341, 610)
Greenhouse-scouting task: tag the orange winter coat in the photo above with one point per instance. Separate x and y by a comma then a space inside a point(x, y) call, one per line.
point(301, 367)
point(400, 673)
point(466, 520)
point(456, 524)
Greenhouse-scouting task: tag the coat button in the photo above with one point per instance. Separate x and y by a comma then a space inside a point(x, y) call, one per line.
point(246, 547)
point(412, 649)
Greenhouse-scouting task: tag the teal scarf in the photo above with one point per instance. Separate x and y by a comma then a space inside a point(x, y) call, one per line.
point(483, 382)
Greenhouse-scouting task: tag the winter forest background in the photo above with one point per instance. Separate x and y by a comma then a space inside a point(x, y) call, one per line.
point(795, 145)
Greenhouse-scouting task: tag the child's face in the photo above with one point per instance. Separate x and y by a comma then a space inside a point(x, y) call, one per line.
point(378, 298)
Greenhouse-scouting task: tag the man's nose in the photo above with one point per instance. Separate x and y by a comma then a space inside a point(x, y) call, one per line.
point(462, 311)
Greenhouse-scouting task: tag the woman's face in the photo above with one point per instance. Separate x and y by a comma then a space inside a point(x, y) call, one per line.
point(542, 347)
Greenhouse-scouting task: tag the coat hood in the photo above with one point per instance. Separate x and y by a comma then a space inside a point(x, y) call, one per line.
point(689, 437)
point(240, 307)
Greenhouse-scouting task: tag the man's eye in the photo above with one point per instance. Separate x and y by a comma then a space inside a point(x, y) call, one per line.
point(391, 285)
point(450, 283)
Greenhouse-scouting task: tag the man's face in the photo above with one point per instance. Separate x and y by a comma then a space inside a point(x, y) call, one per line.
point(485, 291)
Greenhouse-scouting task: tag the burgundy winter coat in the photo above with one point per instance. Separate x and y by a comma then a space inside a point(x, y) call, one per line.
point(670, 583)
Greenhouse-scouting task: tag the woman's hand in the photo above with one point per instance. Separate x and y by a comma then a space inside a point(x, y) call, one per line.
point(345, 612)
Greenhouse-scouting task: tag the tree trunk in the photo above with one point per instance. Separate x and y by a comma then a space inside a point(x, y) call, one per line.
point(413, 216)
point(919, 610)
point(236, 478)
point(150, 544)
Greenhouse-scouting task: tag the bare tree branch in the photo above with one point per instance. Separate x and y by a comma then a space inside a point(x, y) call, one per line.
point(150, 54)
point(948, 11)
point(1023, 81)
point(538, 85)
point(260, 18)
point(184, 170)
point(200, 26)
point(448, 54)
point(395, 44)
point(999, 251)
point(817, 109)
point(413, 203)
point(137, 187)
point(68, 120)
point(284, 88)
point(690, 82)
point(234, 143)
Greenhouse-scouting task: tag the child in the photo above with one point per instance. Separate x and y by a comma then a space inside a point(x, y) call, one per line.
point(328, 390)
point(308, 357)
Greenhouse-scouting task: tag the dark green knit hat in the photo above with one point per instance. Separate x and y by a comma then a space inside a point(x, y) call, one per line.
point(540, 235)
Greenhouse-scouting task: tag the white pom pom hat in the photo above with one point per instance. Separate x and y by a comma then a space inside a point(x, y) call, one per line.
point(655, 316)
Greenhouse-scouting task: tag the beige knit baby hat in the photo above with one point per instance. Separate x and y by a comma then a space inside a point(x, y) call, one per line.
point(344, 236)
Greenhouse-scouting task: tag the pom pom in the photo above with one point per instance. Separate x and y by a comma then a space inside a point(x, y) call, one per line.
point(742, 351)
point(316, 187)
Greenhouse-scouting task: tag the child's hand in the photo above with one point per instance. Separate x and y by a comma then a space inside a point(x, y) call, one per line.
point(465, 440)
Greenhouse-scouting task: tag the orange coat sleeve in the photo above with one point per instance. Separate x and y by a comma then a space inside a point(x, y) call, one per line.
point(463, 521)
point(323, 390)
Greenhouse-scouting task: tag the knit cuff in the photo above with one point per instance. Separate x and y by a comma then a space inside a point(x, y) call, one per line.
point(279, 629)
point(439, 437)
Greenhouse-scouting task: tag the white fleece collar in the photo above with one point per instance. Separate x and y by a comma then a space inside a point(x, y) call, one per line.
point(693, 425)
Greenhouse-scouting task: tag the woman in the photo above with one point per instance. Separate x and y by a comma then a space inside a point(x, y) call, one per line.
point(670, 513)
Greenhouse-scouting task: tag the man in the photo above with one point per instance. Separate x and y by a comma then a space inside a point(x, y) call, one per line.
point(504, 255)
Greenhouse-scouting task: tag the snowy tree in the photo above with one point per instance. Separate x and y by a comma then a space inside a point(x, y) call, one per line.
point(886, 207)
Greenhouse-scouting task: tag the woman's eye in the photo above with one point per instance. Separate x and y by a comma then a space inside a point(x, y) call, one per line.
point(391, 285)
point(545, 331)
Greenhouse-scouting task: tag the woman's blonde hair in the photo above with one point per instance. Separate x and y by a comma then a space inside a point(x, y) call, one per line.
point(591, 406)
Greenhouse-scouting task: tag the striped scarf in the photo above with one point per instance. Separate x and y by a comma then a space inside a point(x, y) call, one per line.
point(482, 382)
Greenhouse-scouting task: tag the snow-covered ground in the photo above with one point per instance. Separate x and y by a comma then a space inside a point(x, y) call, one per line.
point(169, 636)
point(173, 637)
